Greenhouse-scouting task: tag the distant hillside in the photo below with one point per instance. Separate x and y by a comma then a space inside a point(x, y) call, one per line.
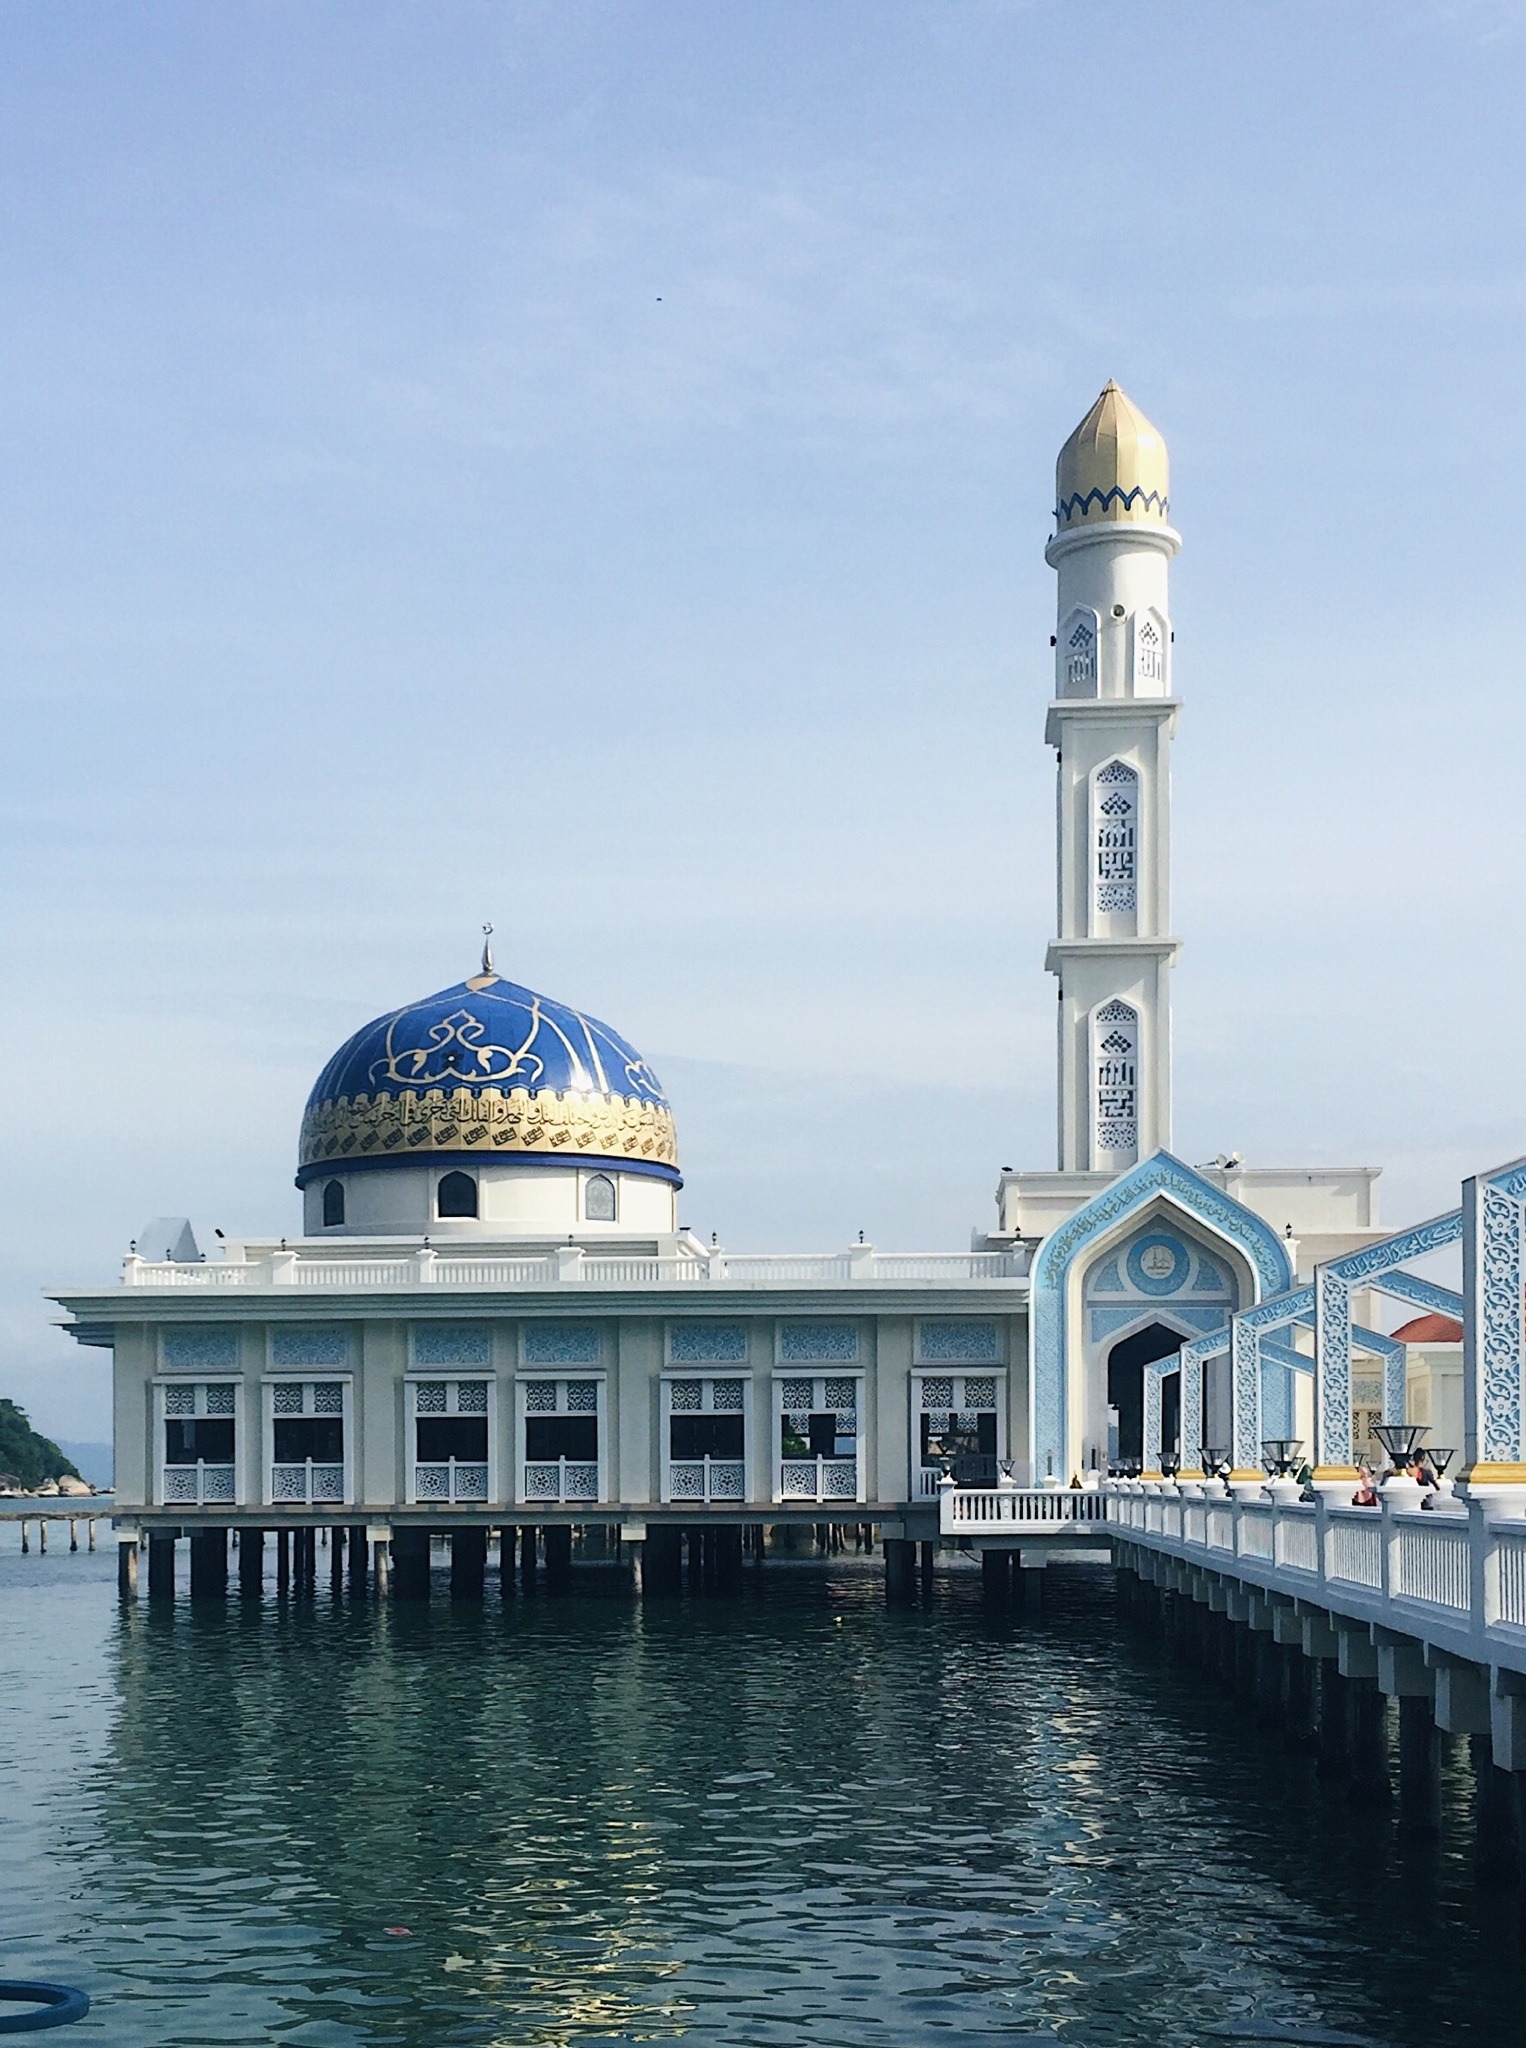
point(24, 1454)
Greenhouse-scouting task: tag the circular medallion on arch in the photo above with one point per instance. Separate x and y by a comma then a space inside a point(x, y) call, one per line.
point(1158, 1264)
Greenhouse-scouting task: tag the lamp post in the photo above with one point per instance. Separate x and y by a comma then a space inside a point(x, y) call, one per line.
point(1401, 1440)
point(1281, 1454)
point(1215, 1460)
point(1439, 1457)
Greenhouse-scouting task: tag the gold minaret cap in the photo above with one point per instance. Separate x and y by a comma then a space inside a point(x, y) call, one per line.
point(1113, 470)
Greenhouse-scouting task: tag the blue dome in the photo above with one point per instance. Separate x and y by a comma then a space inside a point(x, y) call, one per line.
point(485, 1070)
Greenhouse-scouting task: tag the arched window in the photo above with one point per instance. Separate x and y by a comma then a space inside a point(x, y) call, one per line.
point(599, 1199)
point(1115, 1060)
point(1115, 828)
point(1149, 654)
point(456, 1195)
point(333, 1203)
point(1077, 650)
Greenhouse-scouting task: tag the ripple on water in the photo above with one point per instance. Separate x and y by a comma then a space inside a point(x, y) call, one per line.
point(796, 1818)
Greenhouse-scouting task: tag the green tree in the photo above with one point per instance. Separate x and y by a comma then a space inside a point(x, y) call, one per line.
point(30, 1457)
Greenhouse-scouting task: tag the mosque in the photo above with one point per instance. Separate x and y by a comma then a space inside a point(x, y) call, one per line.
point(491, 1319)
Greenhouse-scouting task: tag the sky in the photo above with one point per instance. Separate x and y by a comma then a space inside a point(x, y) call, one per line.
point(586, 466)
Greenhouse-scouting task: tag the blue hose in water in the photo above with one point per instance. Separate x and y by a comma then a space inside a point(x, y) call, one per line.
point(60, 2006)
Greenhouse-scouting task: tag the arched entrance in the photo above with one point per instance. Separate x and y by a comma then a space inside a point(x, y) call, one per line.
point(1125, 1391)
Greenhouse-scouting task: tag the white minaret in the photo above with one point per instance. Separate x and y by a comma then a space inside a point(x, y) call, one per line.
point(1111, 725)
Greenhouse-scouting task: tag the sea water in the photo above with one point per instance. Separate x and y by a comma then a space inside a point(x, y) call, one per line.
point(790, 1815)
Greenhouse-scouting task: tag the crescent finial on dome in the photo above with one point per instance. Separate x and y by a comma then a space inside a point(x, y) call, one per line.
point(1113, 469)
point(487, 972)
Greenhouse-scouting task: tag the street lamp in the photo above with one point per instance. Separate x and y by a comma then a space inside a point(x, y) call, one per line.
point(1401, 1440)
point(1215, 1459)
point(1280, 1454)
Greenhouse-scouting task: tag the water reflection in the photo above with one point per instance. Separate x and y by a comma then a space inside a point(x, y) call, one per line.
point(794, 1817)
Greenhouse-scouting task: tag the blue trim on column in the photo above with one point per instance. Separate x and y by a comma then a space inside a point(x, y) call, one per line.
point(1199, 1201)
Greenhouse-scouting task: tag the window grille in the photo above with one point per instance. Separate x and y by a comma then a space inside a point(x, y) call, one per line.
point(1078, 655)
point(958, 1430)
point(560, 1433)
point(307, 1442)
point(704, 1440)
point(452, 1449)
point(1116, 1062)
point(818, 1440)
point(198, 1444)
point(599, 1199)
point(1115, 809)
point(1149, 653)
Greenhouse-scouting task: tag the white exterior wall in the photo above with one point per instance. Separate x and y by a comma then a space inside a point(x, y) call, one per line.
point(633, 1363)
point(400, 1201)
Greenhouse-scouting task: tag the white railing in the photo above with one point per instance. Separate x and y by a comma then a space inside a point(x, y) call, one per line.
point(1454, 1576)
point(327, 1266)
point(819, 1479)
point(974, 1511)
point(200, 1485)
point(1431, 1562)
point(343, 1273)
point(1510, 1586)
point(556, 1481)
point(1297, 1540)
point(707, 1479)
point(1355, 1547)
point(306, 1484)
point(450, 1479)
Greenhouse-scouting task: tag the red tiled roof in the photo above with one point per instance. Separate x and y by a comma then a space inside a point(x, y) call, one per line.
point(1431, 1329)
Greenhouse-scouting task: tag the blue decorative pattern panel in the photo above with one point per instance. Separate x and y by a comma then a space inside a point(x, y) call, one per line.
point(452, 1344)
point(832, 1343)
point(965, 1342)
point(204, 1349)
point(321, 1344)
point(561, 1344)
point(707, 1343)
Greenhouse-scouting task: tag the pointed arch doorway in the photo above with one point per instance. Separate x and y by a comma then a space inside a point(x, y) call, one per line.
point(1125, 1391)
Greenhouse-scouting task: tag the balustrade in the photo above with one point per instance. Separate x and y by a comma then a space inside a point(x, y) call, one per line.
point(707, 1479)
point(560, 1480)
point(1417, 1571)
point(451, 1479)
point(306, 1484)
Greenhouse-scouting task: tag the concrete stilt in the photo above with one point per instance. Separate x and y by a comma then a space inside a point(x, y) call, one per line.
point(161, 1567)
point(468, 1563)
point(900, 1571)
point(251, 1562)
point(929, 1553)
point(1419, 1770)
point(1494, 1850)
point(383, 1558)
point(209, 1564)
point(558, 1557)
point(358, 1556)
point(1367, 1747)
point(336, 1560)
point(528, 1547)
point(506, 1554)
point(283, 1560)
point(1333, 1724)
point(410, 1559)
point(996, 1576)
point(127, 1571)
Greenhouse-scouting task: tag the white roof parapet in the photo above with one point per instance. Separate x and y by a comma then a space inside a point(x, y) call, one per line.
point(358, 1270)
